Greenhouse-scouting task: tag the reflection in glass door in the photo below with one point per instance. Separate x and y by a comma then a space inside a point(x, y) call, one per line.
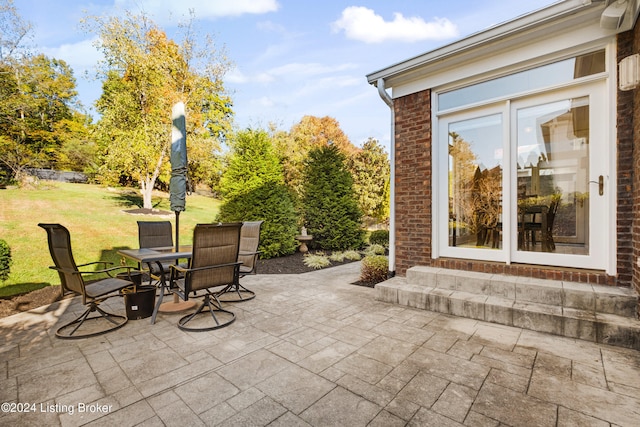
point(553, 177)
point(475, 150)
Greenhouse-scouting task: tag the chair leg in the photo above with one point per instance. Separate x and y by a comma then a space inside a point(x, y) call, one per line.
point(213, 306)
point(117, 321)
point(235, 293)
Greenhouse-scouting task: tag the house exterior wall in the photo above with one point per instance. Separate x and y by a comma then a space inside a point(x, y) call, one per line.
point(634, 99)
point(627, 197)
point(414, 200)
point(413, 180)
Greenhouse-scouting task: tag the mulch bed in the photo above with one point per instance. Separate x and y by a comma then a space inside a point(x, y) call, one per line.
point(18, 303)
point(290, 264)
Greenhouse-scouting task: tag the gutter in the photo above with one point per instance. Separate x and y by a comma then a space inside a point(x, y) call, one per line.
point(392, 178)
point(557, 12)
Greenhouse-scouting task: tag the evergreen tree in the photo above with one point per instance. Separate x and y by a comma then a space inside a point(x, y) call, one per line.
point(311, 132)
point(331, 212)
point(371, 170)
point(253, 189)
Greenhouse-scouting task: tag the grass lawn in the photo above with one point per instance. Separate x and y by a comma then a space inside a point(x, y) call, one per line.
point(95, 218)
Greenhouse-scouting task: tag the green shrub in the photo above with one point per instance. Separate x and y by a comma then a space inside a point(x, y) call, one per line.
point(253, 189)
point(272, 204)
point(5, 260)
point(330, 208)
point(375, 250)
point(374, 269)
point(317, 260)
point(379, 237)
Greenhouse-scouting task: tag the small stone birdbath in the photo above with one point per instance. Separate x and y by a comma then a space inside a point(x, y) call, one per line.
point(303, 239)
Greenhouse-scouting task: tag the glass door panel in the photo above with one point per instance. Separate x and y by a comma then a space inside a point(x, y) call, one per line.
point(553, 200)
point(475, 162)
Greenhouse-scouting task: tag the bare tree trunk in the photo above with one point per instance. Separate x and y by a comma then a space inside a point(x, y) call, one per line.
point(146, 189)
point(147, 184)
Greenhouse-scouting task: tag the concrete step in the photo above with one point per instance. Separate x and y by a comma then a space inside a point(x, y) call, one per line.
point(594, 313)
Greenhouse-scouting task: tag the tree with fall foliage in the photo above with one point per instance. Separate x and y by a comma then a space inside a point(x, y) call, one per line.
point(37, 114)
point(311, 132)
point(145, 73)
point(39, 111)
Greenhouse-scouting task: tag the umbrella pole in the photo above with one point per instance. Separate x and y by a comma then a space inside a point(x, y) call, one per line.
point(177, 305)
point(177, 230)
point(176, 298)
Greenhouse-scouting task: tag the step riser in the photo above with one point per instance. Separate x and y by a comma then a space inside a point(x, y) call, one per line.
point(592, 298)
point(572, 323)
point(600, 314)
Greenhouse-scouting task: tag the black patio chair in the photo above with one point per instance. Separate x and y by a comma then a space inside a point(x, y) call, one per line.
point(93, 293)
point(156, 234)
point(248, 256)
point(214, 264)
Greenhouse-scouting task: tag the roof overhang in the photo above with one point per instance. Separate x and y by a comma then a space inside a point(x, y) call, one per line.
point(537, 25)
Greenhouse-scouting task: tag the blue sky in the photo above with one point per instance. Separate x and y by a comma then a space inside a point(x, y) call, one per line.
point(291, 57)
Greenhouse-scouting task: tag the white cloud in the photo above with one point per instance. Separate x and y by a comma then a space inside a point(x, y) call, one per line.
point(361, 23)
point(326, 85)
point(264, 102)
point(81, 56)
point(236, 76)
point(162, 9)
point(292, 72)
point(308, 69)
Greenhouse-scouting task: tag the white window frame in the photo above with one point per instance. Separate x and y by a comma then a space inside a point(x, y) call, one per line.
point(440, 120)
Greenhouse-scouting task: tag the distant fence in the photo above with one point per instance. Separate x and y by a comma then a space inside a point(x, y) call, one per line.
point(53, 175)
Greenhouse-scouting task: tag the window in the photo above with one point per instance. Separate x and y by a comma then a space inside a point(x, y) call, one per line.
point(537, 78)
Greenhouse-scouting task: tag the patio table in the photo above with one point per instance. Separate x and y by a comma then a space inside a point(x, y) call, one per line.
point(160, 255)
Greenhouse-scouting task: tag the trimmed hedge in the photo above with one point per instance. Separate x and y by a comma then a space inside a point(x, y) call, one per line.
point(379, 237)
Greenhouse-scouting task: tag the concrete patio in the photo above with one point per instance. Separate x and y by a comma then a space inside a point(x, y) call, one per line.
point(312, 349)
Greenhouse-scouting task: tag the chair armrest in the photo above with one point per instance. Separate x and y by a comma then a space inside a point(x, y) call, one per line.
point(208, 267)
point(107, 270)
point(178, 284)
point(175, 267)
point(105, 263)
point(249, 253)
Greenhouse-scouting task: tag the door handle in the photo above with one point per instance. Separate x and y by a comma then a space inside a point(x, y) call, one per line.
point(600, 183)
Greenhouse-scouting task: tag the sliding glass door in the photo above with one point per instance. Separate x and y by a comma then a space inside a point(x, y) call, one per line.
point(526, 180)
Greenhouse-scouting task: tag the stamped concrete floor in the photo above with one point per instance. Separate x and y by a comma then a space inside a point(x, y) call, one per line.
point(312, 349)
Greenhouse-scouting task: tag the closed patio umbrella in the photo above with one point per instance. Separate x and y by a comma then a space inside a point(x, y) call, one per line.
point(178, 187)
point(178, 183)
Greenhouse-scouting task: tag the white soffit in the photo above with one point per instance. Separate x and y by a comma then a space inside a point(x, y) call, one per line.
point(508, 39)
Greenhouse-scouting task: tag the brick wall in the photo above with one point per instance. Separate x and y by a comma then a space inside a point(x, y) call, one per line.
point(629, 43)
point(413, 180)
point(625, 162)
